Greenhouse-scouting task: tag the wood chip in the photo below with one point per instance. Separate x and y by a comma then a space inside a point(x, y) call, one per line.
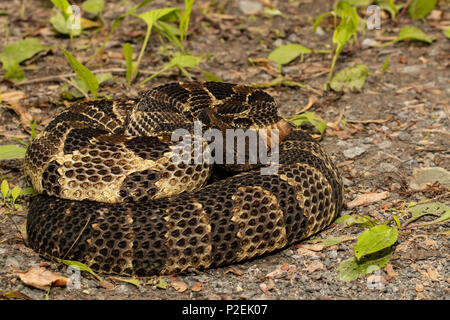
point(42, 278)
point(309, 253)
point(368, 198)
point(196, 287)
point(314, 266)
point(179, 286)
point(106, 285)
point(419, 287)
point(234, 271)
point(390, 271)
point(313, 247)
point(433, 274)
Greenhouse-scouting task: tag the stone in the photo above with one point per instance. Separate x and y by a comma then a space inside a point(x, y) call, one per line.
point(385, 144)
point(422, 176)
point(404, 136)
point(292, 37)
point(412, 69)
point(387, 167)
point(354, 152)
point(250, 7)
point(278, 42)
point(319, 31)
point(368, 42)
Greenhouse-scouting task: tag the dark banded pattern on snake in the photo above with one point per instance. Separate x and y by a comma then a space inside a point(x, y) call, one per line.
point(112, 199)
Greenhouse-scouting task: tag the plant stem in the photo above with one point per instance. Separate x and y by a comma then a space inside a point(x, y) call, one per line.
point(141, 54)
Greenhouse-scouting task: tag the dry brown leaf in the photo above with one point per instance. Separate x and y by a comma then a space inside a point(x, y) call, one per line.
point(429, 242)
point(309, 253)
point(433, 274)
point(390, 271)
point(314, 266)
point(266, 287)
point(179, 286)
point(275, 274)
point(368, 198)
point(107, 285)
point(234, 271)
point(13, 96)
point(196, 287)
point(313, 247)
point(42, 278)
point(435, 15)
point(419, 287)
point(14, 295)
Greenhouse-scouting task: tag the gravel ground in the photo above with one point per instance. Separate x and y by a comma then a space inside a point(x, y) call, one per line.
point(409, 115)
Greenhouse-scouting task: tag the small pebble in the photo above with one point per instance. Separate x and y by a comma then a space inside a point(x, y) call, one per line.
point(319, 31)
point(250, 7)
point(292, 37)
point(404, 136)
point(368, 42)
point(354, 152)
point(387, 167)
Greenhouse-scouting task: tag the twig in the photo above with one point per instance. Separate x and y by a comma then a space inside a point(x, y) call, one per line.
point(73, 84)
point(77, 238)
point(61, 77)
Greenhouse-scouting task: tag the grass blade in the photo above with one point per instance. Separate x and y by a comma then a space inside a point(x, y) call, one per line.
point(84, 73)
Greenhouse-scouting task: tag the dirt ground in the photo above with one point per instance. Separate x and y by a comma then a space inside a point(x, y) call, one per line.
point(398, 122)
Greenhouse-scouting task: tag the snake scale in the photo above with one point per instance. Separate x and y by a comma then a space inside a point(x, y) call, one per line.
point(110, 196)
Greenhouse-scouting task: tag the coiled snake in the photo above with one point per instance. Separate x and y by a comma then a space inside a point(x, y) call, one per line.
point(111, 197)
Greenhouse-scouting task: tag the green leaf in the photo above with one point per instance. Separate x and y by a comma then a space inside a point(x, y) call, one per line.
point(389, 6)
point(419, 9)
point(180, 61)
point(11, 151)
point(17, 52)
point(312, 118)
point(93, 6)
point(27, 191)
point(60, 24)
point(447, 32)
point(84, 73)
point(320, 19)
point(150, 17)
point(33, 130)
point(184, 22)
point(74, 94)
point(359, 3)
point(413, 33)
point(15, 192)
point(128, 53)
point(385, 65)
point(436, 208)
point(286, 53)
point(162, 284)
point(272, 12)
point(397, 221)
point(133, 281)
point(80, 266)
point(355, 220)
point(64, 6)
point(350, 79)
point(208, 76)
point(351, 268)
point(375, 239)
point(4, 189)
point(418, 210)
point(116, 23)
